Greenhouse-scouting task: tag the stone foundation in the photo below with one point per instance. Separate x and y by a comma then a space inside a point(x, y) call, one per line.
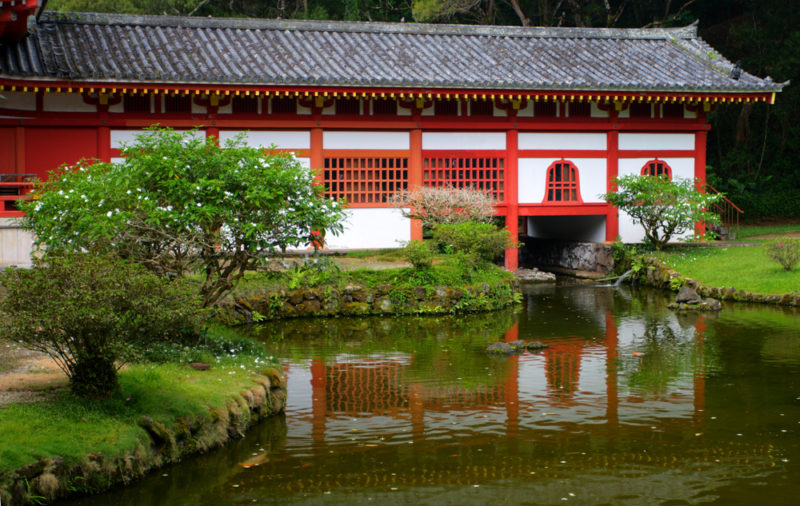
point(584, 259)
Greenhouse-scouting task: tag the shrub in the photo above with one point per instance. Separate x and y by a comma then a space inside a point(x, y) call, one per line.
point(178, 204)
point(663, 207)
point(89, 313)
point(483, 242)
point(785, 251)
point(419, 253)
point(446, 205)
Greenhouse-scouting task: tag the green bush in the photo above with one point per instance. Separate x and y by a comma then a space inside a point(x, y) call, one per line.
point(91, 313)
point(482, 241)
point(419, 253)
point(785, 251)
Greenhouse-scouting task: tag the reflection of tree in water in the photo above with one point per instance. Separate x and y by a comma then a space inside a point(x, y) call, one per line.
point(667, 354)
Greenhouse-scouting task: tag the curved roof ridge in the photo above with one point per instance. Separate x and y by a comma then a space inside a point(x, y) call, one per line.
point(686, 32)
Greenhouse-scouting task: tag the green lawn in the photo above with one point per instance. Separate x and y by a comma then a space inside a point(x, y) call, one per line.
point(749, 231)
point(744, 267)
point(72, 428)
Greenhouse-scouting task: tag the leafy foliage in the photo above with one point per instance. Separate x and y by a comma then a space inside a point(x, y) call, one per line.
point(446, 205)
point(476, 243)
point(179, 203)
point(419, 253)
point(785, 251)
point(89, 312)
point(664, 208)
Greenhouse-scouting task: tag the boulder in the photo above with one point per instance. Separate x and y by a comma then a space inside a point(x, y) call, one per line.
point(499, 349)
point(536, 346)
point(517, 345)
point(530, 275)
point(687, 295)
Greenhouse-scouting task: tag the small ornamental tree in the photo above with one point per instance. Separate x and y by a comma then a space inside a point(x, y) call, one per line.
point(664, 208)
point(179, 204)
point(445, 205)
point(88, 313)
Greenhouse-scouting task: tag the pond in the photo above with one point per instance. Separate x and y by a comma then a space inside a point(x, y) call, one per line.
point(630, 404)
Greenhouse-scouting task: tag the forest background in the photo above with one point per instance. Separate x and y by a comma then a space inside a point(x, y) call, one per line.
point(753, 149)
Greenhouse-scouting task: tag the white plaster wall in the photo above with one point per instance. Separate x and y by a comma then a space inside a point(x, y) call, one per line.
point(301, 109)
point(16, 244)
point(18, 100)
point(597, 112)
point(402, 111)
point(198, 109)
point(330, 110)
point(372, 228)
point(681, 168)
point(655, 141)
point(305, 162)
point(463, 140)
point(527, 111)
point(590, 228)
point(365, 140)
point(562, 140)
point(66, 102)
point(282, 139)
point(118, 137)
point(225, 109)
point(689, 114)
point(119, 107)
point(532, 180)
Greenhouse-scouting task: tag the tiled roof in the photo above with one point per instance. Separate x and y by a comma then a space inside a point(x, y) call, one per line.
point(163, 49)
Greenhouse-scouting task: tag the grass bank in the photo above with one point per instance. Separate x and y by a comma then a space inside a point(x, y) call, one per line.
point(744, 267)
point(64, 445)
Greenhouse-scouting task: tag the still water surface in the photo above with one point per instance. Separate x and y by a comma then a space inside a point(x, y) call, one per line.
point(630, 404)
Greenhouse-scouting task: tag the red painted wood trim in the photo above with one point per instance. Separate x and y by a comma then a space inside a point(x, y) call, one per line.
point(213, 132)
point(19, 147)
point(366, 153)
point(612, 170)
point(700, 169)
point(316, 157)
point(104, 144)
point(332, 91)
point(585, 209)
point(655, 153)
point(415, 175)
point(512, 197)
point(562, 153)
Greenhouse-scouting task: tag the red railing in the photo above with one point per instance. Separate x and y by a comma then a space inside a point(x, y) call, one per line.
point(728, 212)
point(13, 188)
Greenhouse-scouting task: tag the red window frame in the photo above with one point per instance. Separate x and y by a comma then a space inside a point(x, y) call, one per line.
point(364, 178)
point(558, 186)
point(480, 170)
point(657, 167)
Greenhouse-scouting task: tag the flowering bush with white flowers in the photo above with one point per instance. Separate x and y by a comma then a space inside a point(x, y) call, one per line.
point(180, 204)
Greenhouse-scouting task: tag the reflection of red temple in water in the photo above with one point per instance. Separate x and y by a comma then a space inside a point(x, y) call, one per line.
point(380, 387)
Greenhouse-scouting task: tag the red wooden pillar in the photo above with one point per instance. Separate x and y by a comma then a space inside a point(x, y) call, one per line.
point(315, 152)
point(700, 166)
point(612, 170)
point(511, 197)
point(213, 132)
point(104, 144)
point(415, 175)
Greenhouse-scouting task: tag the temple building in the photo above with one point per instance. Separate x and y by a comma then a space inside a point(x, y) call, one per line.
point(542, 119)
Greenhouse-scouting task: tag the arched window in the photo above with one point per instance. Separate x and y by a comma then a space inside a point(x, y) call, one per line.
point(657, 168)
point(563, 183)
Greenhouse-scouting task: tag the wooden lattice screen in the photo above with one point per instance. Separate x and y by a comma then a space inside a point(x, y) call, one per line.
point(485, 172)
point(365, 181)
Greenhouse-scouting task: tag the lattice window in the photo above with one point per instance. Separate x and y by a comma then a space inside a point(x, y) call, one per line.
point(177, 104)
point(672, 111)
point(657, 168)
point(563, 183)
point(445, 107)
point(136, 103)
point(348, 106)
point(481, 108)
point(285, 105)
point(463, 170)
point(580, 109)
point(384, 108)
point(365, 180)
point(545, 109)
point(244, 105)
point(640, 109)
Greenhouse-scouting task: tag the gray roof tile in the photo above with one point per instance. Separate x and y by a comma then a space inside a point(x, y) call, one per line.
point(164, 49)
